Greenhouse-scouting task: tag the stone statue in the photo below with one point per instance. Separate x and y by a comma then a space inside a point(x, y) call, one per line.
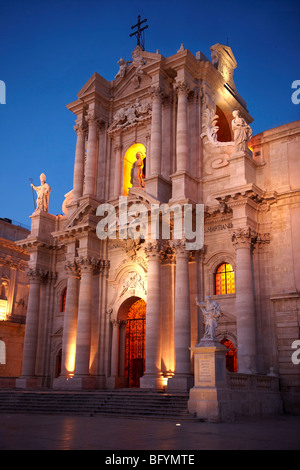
point(137, 173)
point(211, 311)
point(43, 191)
point(123, 68)
point(242, 132)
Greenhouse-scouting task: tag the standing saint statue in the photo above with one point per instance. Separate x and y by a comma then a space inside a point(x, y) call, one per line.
point(242, 132)
point(211, 311)
point(137, 172)
point(43, 191)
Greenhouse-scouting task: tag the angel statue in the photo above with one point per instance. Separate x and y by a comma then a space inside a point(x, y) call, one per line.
point(211, 311)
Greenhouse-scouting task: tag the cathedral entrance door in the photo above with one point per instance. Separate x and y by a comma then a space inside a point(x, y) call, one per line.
point(135, 343)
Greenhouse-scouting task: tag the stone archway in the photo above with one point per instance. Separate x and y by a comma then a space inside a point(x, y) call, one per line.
point(132, 340)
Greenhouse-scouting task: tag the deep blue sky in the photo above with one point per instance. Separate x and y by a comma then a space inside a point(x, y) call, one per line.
point(49, 50)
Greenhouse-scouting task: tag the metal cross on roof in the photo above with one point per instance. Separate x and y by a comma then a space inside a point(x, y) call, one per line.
point(140, 32)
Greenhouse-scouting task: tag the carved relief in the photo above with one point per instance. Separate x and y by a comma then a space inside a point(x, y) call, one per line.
point(133, 281)
point(130, 116)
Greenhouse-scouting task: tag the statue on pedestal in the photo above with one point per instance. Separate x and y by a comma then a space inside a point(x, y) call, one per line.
point(242, 132)
point(211, 311)
point(43, 191)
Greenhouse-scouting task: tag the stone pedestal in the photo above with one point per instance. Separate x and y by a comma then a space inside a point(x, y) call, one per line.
point(210, 386)
point(242, 169)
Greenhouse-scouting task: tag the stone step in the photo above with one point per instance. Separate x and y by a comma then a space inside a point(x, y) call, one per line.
point(115, 402)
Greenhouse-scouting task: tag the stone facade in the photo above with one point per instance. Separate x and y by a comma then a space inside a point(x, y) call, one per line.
point(13, 299)
point(177, 112)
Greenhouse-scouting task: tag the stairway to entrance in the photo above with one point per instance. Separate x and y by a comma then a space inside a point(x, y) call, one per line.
point(122, 402)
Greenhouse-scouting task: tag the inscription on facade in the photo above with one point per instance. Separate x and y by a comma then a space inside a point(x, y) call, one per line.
point(217, 228)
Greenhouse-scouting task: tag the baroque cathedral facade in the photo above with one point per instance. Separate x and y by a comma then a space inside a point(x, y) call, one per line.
point(115, 313)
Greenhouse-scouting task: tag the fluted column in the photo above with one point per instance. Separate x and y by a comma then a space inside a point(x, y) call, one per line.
point(83, 339)
point(182, 146)
point(79, 163)
point(245, 308)
point(91, 158)
point(182, 319)
point(70, 320)
point(32, 322)
point(152, 376)
point(156, 132)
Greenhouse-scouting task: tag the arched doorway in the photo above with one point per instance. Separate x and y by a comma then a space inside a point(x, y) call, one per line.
point(231, 355)
point(135, 343)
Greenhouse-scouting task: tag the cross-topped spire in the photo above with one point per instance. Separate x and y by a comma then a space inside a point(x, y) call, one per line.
point(140, 32)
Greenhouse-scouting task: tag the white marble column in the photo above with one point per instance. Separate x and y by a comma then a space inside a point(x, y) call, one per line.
point(182, 146)
point(91, 158)
point(83, 338)
point(118, 170)
point(32, 323)
point(156, 132)
point(70, 320)
point(79, 163)
point(245, 308)
point(153, 376)
point(182, 378)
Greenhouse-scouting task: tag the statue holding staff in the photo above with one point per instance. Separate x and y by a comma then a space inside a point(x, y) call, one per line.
point(43, 191)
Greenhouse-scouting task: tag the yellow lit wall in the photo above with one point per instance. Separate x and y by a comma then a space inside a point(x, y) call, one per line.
point(129, 159)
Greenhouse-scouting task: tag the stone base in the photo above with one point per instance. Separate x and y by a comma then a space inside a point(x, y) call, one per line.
point(27, 382)
point(116, 382)
point(184, 188)
point(75, 383)
point(210, 404)
point(158, 187)
point(154, 382)
point(180, 383)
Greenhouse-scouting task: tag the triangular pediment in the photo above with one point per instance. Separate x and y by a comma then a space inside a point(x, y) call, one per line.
point(95, 84)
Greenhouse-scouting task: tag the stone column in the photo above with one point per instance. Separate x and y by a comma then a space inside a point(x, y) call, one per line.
point(182, 378)
point(79, 163)
point(32, 323)
point(115, 348)
point(118, 170)
point(91, 158)
point(182, 146)
point(245, 308)
point(153, 376)
point(83, 339)
point(70, 320)
point(156, 132)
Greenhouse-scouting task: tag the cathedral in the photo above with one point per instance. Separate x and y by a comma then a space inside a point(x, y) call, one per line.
point(111, 309)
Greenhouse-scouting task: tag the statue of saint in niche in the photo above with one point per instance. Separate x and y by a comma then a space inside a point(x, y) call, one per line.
point(137, 172)
point(242, 132)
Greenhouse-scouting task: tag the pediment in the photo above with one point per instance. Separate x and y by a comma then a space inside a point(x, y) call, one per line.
point(96, 84)
point(82, 215)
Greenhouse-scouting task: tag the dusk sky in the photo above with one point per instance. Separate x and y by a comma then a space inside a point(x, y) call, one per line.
point(49, 50)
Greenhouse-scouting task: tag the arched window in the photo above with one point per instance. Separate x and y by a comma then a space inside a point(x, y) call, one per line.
point(2, 352)
point(63, 300)
point(224, 279)
point(231, 356)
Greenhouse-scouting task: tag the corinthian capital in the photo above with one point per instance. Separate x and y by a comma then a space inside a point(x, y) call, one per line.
point(179, 247)
point(72, 269)
point(87, 264)
point(153, 249)
point(182, 88)
point(36, 274)
point(243, 237)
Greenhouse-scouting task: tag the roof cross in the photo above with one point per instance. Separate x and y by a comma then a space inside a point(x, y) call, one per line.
point(140, 32)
